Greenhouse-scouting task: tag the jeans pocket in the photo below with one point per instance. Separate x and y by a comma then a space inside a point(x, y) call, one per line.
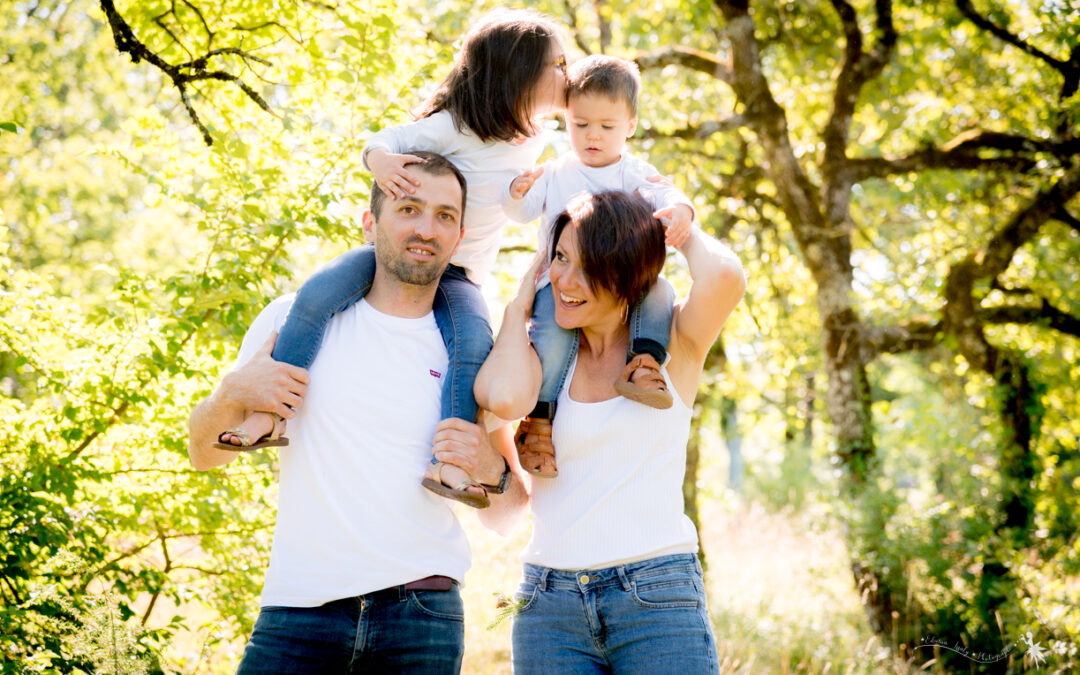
point(438, 604)
point(666, 594)
point(525, 597)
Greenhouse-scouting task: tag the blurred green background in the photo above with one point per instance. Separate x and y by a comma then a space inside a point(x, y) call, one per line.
point(884, 463)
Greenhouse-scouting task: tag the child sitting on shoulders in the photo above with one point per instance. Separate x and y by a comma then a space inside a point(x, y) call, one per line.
point(601, 113)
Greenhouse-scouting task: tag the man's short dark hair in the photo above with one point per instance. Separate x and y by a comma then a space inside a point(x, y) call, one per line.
point(621, 243)
point(433, 164)
point(614, 78)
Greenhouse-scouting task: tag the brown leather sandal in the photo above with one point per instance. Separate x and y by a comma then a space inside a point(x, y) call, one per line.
point(649, 387)
point(274, 439)
point(535, 450)
point(458, 493)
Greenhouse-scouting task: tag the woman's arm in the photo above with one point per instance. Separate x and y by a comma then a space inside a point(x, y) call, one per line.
point(509, 381)
point(718, 284)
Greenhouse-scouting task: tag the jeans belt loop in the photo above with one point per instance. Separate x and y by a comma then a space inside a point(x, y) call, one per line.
point(543, 579)
point(623, 578)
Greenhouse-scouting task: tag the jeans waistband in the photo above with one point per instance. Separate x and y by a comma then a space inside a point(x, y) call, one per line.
point(620, 575)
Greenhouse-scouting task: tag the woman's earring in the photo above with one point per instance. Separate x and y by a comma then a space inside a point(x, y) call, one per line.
point(625, 312)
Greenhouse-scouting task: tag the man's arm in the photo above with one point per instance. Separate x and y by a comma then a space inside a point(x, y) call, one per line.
point(261, 384)
point(481, 455)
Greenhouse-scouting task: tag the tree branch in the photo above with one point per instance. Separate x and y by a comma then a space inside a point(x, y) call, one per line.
point(988, 262)
point(697, 131)
point(694, 59)
point(603, 24)
point(1070, 70)
point(968, 10)
point(1062, 215)
point(962, 153)
point(904, 337)
point(181, 74)
point(859, 67)
point(571, 23)
point(1044, 315)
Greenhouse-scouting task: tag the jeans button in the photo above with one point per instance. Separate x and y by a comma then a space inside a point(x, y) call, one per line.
point(584, 578)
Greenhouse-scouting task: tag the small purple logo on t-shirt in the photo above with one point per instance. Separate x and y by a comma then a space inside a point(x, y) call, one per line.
point(435, 373)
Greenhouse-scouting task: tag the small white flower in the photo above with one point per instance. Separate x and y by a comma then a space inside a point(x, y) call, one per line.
point(1036, 652)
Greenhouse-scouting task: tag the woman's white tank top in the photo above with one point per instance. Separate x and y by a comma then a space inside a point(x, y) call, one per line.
point(618, 496)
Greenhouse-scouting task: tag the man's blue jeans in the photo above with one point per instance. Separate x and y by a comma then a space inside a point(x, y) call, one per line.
point(460, 312)
point(642, 617)
point(388, 631)
point(650, 332)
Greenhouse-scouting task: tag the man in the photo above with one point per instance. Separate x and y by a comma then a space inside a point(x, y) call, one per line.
point(365, 563)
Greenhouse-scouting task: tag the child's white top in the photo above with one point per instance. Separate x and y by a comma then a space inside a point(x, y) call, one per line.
point(565, 177)
point(618, 497)
point(352, 515)
point(487, 168)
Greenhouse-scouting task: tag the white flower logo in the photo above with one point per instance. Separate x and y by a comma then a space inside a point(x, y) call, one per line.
point(1034, 649)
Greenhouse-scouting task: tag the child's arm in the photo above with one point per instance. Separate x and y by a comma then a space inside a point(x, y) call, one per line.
point(387, 151)
point(519, 187)
point(390, 173)
point(525, 196)
point(672, 205)
point(677, 221)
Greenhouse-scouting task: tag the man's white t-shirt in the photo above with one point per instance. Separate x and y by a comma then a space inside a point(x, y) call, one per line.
point(352, 515)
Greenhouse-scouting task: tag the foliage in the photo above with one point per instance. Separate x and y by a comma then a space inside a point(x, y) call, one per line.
point(936, 177)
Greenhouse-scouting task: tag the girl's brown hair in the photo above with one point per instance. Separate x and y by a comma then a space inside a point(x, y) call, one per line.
point(489, 91)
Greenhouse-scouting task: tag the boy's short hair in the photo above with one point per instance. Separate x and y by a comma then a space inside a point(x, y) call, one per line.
point(432, 164)
point(615, 78)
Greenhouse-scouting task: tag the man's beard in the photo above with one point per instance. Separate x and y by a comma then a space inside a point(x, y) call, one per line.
point(405, 270)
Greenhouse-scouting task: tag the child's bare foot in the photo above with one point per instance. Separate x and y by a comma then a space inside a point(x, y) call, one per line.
point(259, 430)
point(452, 482)
point(642, 381)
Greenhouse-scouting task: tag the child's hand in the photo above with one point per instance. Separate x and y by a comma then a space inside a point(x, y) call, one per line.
point(523, 183)
point(660, 178)
point(677, 222)
point(390, 173)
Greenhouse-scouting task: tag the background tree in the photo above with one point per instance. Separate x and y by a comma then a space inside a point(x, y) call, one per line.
point(899, 179)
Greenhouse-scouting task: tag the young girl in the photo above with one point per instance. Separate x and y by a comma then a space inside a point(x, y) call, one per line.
point(510, 70)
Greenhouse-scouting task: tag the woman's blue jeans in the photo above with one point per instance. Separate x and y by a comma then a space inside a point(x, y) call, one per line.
point(642, 617)
point(650, 332)
point(460, 312)
point(389, 631)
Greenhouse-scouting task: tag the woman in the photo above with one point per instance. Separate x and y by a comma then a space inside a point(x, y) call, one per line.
point(612, 581)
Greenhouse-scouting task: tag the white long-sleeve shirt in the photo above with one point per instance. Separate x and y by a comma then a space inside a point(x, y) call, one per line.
point(488, 168)
point(565, 177)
